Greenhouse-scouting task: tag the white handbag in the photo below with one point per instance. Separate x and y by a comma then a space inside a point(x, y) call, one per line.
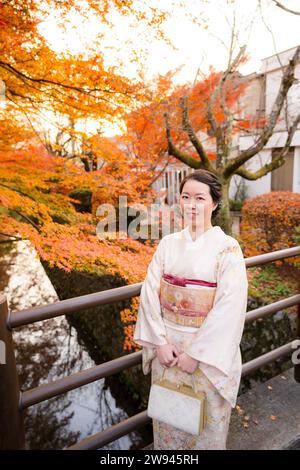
point(178, 405)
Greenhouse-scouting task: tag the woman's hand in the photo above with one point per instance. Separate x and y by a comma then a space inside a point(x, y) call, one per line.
point(187, 363)
point(167, 355)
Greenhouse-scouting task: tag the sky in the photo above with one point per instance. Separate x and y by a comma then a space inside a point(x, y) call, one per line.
point(264, 30)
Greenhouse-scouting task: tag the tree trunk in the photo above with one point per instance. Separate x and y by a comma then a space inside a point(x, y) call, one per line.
point(224, 218)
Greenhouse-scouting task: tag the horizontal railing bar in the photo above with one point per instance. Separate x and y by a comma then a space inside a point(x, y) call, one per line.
point(57, 387)
point(265, 310)
point(121, 429)
point(25, 317)
point(111, 434)
point(273, 256)
point(62, 307)
point(258, 362)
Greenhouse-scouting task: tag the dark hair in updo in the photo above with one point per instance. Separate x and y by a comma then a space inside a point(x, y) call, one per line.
point(209, 178)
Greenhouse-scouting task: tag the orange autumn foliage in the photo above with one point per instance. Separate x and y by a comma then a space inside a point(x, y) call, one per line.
point(34, 205)
point(146, 130)
point(269, 223)
point(37, 78)
point(35, 186)
point(120, 176)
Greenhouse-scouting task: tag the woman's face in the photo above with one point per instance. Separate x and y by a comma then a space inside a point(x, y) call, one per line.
point(196, 203)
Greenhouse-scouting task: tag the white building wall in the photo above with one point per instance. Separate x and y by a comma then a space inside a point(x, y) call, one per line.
point(263, 185)
point(256, 187)
point(296, 179)
point(272, 67)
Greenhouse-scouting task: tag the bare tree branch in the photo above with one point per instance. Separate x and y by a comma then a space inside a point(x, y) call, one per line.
point(160, 173)
point(22, 75)
point(218, 132)
point(175, 152)
point(28, 219)
point(283, 7)
point(277, 162)
point(17, 191)
point(13, 237)
point(187, 127)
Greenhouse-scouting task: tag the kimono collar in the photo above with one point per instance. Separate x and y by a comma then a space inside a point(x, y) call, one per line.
point(187, 235)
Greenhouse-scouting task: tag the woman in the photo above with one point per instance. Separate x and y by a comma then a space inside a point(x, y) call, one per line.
point(197, 332)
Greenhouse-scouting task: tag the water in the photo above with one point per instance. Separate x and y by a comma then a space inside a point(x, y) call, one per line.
point(49, 350)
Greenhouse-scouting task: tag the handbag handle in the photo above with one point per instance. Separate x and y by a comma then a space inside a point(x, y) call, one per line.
point(193, 380)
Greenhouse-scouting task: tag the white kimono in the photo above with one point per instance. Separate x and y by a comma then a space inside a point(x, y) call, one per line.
point(215, 257)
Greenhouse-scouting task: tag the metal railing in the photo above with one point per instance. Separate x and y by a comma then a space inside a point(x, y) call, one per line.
point(13, 401)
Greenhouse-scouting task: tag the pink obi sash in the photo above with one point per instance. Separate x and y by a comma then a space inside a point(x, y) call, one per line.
point(183, 304)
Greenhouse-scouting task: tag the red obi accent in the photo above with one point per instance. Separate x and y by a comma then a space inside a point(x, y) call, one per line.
point(182, 281)
point(183, 303)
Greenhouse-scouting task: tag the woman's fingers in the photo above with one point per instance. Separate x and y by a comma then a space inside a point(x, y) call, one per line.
point(168, 356)
point(167, 361)
point(170, 362)
point(172, 359)
point(174, 362)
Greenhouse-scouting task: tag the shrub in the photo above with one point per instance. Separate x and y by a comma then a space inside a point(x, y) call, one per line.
point(269, 223)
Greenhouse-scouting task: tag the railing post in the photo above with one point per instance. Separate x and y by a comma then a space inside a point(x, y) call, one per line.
point(11, 419)
point(297, 366)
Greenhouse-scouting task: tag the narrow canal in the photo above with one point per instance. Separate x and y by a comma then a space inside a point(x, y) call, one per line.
point(52, 349)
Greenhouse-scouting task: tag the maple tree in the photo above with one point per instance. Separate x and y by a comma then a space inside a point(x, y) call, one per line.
point(36, 75)
point(182, 111)
point(201, 123)
point(37, 81)
point(37, 78)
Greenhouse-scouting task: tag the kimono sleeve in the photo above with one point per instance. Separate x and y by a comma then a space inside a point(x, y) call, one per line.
point(150, 329)
point(219, 337)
